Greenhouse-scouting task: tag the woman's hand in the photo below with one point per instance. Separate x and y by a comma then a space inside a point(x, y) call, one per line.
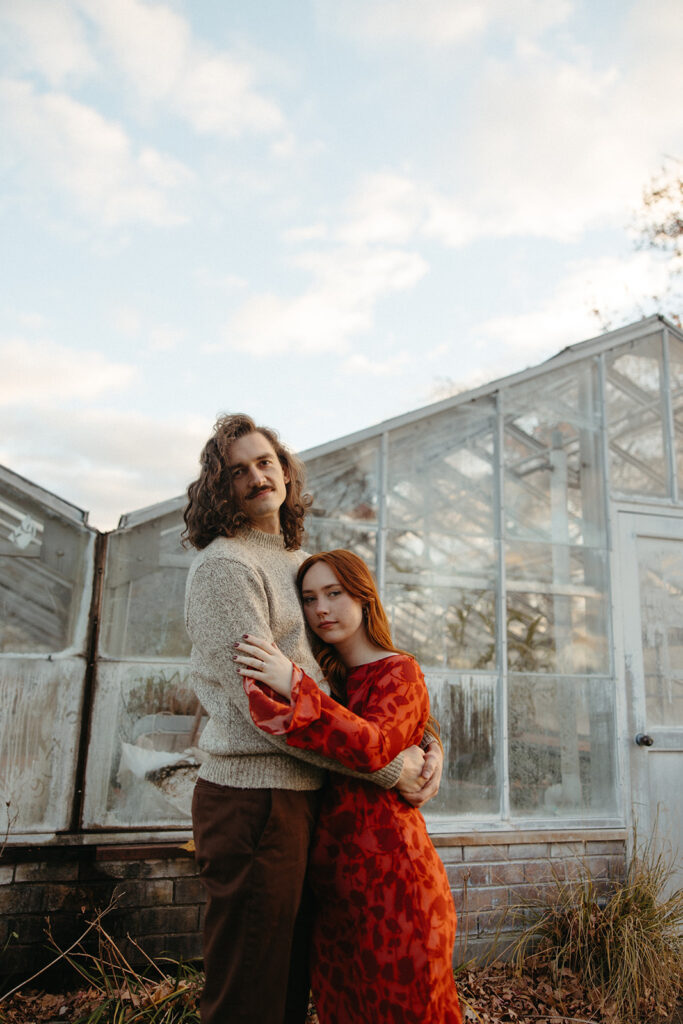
point(263, 661)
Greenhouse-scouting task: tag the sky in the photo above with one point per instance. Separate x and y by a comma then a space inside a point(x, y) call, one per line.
point(323, 213)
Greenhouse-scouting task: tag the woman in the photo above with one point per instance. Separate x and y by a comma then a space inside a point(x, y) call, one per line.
point(385, 923)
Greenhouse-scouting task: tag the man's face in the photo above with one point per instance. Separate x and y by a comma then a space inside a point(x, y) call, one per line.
point(258, 481)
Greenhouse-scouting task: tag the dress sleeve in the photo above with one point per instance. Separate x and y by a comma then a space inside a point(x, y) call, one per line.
point(238, 605)
point(393, 716)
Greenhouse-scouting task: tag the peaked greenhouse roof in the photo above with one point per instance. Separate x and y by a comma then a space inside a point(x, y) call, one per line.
point(638, 331)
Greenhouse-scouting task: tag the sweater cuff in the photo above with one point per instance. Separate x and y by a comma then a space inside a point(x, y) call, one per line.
point(273, 715)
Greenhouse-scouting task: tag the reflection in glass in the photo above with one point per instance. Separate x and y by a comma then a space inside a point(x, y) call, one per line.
point(324, 536)
point(444, 627)
point(42, 576)
point(553, 466)
point(562, 746)
point(154, 722)
point(465, 707)
point(660, 566)
point(345, 484)
point(635, 418)
point(439, 557)
point(143, 604)
point(441, 474)
point(555, 632)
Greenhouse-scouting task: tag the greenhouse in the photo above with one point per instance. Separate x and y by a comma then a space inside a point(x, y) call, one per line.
point(527, 538)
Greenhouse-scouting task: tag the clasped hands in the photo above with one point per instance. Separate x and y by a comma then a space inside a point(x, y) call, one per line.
point(263, 661)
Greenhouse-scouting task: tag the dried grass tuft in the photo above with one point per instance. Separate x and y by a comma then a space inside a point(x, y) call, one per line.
point(626, 946)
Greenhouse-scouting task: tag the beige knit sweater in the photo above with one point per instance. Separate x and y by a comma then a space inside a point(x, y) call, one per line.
point(237, 585)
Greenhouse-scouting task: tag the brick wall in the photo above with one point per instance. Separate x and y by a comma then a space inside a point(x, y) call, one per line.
point(158, 900)
point(492, 874)
point(160, 903)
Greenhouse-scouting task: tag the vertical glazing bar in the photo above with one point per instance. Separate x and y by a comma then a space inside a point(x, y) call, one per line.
point(604, 442)
point(382, 513)
point(501, 611)
point(670, 436)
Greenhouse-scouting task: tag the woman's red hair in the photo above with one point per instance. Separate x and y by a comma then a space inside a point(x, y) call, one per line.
point(358, 581)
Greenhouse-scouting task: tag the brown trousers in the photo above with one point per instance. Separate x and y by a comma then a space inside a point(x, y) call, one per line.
point(252, 851)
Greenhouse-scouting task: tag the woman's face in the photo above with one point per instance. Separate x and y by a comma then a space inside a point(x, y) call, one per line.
point(330, 611)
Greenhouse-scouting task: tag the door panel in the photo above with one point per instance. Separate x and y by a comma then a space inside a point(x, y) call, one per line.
point(651, 594)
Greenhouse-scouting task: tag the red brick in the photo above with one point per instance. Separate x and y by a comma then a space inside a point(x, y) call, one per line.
point(143, 893)
point(188, 890)
point(529, 851)
point(473, 874)
point(544, 871)
point(40, 872)
point(510, 873)
point(616, 847)
point(6, 874)
point(485, 853)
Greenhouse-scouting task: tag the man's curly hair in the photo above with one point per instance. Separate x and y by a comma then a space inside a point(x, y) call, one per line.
point(212, 510)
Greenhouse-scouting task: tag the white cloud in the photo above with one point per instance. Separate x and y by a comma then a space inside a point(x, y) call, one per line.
point(215, 92)
point(393, 209)
point(71, 147)
point(165, 338)
point(569, 314)
point(127, 321)
point(34, 372)
point(153, 48)
point(106, 461)
point(347, 283)
point(46, 34)
point(361, 364)
point(439, 24)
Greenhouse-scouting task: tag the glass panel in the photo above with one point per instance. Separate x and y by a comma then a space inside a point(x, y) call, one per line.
point(676, 371)
point(441, 551)
point(556, 632)
point(444, 627)
point(553, 468)
point(635, 418)
point(562, 747)
point(433, 557)
point(142, 761)
point(660, 565)
point(441, 476)
point(322, 535)
point(40, 722)
point(144, 591)
point(43, 562)
point(345, 483)
point(465, 707)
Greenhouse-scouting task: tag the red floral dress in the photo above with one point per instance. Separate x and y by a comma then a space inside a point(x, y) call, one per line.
point(385, 926)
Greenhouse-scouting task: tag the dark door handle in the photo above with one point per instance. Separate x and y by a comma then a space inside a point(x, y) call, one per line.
point(643, 740)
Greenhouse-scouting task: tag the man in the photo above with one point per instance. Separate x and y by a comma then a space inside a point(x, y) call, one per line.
point(255, 800)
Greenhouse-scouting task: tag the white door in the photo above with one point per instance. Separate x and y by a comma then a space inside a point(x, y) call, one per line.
point(651, 596)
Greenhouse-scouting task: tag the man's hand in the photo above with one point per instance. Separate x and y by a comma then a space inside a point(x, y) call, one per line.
point(421, 776)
